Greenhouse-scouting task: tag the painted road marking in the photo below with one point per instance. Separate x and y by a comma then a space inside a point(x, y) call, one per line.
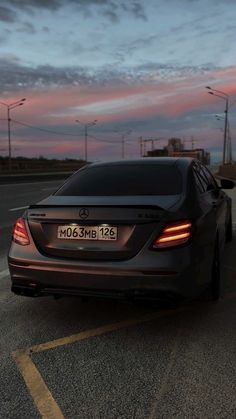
point(4, 274)
point(42, 397)
point(100, 331)
point(19, 208)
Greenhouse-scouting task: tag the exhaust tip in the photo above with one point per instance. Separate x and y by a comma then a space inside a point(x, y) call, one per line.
point(25, 291)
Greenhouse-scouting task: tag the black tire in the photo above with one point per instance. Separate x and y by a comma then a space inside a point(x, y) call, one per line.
point(229, 230)
point(215, 285)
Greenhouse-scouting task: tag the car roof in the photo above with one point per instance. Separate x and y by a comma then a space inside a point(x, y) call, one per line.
point(183, 162)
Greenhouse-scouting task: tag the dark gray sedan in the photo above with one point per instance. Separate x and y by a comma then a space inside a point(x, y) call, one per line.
point(149, 228)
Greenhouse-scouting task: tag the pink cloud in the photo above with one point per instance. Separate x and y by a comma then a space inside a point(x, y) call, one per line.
point(169, 98)
point(114, 104)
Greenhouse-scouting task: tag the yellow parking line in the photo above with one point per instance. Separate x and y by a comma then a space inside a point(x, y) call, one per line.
point(45, 403)
point(113, 326)
point(101, 330)
point(43, 399)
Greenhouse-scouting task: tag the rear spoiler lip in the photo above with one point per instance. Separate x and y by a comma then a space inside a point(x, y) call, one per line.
point(34, 206)
point(155, 202)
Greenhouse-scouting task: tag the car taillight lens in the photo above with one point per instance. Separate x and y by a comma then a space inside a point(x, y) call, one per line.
point(20, 234)
point(174, 234)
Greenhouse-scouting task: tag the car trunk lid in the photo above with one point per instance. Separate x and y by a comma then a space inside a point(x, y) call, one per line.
point(96, 228)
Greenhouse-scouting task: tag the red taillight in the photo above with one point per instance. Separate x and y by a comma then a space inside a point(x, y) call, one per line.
point(174, 234)
point(20, 234)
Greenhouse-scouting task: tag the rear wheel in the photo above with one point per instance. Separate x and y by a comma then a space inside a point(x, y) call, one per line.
point(229, 230)
point(215, 285)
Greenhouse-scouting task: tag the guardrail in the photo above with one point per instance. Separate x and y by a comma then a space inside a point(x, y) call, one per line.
point(224, 171)
point(33, 177)
point(227, 171)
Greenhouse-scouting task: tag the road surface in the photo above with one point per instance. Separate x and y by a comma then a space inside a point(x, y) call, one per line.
point(105, 359)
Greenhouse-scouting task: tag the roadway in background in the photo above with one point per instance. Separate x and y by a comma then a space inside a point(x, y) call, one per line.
point(15, 197)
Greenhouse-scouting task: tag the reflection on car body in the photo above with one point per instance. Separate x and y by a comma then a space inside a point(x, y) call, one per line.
point(147, 228)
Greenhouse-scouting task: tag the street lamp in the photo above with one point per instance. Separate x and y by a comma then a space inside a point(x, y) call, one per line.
point(229, 147)
point(88, 124)
point(224, 96)
point(9, 108)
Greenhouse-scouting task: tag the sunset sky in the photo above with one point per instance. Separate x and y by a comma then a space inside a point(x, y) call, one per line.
point(139, 67)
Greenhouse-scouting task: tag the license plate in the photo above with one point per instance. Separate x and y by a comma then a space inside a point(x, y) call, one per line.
point(87, 232)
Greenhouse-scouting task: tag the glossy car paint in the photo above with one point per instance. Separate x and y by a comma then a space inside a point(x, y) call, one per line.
point(129, 267)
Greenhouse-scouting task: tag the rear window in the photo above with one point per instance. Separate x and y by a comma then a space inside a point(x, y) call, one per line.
point(114, 180)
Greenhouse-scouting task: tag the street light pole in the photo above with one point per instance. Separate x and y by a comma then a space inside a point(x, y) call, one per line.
point(86, 142)
point(9, 108)
point(141, 146)
point(229, 146)
point(88, 124)
point(226, 130)
point(225, 96)
point(9, 137)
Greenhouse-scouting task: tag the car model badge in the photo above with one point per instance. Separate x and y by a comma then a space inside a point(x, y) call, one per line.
point(84, 213)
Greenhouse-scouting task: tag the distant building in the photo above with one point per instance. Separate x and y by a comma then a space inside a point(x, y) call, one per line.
point(175, 148)
point(174, 144)
point(158, 152)
point(198, 153)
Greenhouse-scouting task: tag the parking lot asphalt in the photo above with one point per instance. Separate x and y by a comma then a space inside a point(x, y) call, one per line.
point(105, 359)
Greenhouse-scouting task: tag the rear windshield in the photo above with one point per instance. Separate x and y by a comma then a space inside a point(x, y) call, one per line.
point(114, 180)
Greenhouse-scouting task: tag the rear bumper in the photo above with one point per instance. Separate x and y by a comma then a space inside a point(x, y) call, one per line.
point(35, 279)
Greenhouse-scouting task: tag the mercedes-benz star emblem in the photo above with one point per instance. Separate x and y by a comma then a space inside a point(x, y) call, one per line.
point(83, 213)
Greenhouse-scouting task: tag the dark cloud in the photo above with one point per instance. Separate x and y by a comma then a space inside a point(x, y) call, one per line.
point(127, 49)
point(112, 16)
point(136, 8)
point(10, 59)
point(170, 71)
point(15, 76)
point(7, 15)
point(113, 10)
point(38, 4)
point(45, 29)
point(27, 28)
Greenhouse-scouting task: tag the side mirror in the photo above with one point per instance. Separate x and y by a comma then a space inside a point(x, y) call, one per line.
point(210, 187)
point(227, 184)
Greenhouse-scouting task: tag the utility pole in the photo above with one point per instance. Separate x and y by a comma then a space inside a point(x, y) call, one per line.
point(229, 151)
point(141, 146)
point(224, 96)
point(225, 129)
point(86, 142)
point(9, 136)
point(88, 124)
point(228, 147)
point(9, 108)
point(192, 141)
point(152, 141)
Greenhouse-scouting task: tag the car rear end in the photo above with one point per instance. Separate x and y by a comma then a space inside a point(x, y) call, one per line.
point(116, 229)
